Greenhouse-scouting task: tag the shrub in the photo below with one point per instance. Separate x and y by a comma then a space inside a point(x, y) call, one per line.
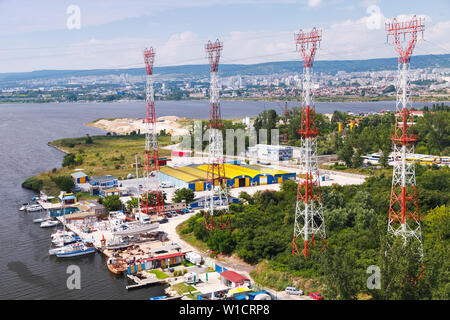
point(32, 183)
point(64, 183)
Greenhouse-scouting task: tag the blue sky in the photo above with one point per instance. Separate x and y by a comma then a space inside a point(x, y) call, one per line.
point(112, 34)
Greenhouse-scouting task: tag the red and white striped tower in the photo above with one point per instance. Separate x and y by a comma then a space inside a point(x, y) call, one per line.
point(151, 158)
point(404, 218)
point(309, 221)
point(217, 200)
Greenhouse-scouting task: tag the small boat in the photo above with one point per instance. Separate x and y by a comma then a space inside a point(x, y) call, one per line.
point(116, 266)
point(65, 240)
point(158, 298)
point(49, 223)
point(61, 233)
point(24, 206)
point(41, 219)
point(33, 208)
point(76, 249)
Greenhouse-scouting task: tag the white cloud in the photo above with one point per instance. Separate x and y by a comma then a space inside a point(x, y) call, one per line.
point(314, 3)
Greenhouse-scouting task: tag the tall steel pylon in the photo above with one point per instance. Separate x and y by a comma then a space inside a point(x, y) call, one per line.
point(404, 218)
point(309, 220)
point(217, 200)
point(151, 157)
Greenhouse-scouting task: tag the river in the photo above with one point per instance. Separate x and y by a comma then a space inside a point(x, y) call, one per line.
point(27, 272)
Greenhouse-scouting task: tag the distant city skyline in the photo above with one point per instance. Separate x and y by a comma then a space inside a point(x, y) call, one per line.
point(112, 34)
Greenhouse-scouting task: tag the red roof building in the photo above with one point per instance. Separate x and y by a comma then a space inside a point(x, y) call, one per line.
point(233, 279)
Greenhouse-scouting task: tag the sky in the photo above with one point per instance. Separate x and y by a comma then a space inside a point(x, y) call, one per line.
point(97, 34)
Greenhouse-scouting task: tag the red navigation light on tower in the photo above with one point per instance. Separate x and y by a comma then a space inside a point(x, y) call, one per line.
point(309, 221)
point(151, 157)
point(404, 218)
point(217, 200)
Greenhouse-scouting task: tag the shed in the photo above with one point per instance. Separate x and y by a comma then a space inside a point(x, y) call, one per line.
point(79, 177)
point(233, 279)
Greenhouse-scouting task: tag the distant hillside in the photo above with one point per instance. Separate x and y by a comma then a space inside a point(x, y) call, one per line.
point(326, 66)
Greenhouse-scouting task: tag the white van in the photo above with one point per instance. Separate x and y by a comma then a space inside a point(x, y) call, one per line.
point(167, 184)
point(294, 291)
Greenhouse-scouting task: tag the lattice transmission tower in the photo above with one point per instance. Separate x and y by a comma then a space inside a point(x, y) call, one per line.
point(216, 203)
point(151, 156)
point(309, 221)
point(404, 218)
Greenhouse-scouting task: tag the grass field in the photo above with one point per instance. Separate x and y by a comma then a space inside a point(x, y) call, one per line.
point(159, 274)
point(114, 155)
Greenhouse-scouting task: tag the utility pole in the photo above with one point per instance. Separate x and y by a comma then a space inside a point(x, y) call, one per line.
point(216, 180)
point(309, 220)
point(404, 217)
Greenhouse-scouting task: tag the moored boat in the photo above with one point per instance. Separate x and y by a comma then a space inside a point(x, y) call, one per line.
point(49, 223)
point(116, 266)
point(76, 249)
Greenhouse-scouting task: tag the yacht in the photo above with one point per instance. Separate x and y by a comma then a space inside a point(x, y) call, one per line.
point(76, 249)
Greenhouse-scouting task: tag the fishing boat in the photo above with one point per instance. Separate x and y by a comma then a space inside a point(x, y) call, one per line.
point(49, 223)
point(116, 266)
point(76, 249)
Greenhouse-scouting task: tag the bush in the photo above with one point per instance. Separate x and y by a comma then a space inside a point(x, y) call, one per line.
point(33, 183)
point(69, 160)
point(64, 183)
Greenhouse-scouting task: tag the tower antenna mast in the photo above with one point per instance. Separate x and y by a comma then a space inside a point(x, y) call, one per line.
point(309, 219)
point(151, 156)
point(217, 200)
point(404, 218)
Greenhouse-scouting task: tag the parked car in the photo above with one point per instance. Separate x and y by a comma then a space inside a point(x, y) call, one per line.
point(164, 220)
point(294, 291)
point(316, 296)
point(168, 215)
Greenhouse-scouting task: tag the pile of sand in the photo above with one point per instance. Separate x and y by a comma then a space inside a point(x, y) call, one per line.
point(127, 125)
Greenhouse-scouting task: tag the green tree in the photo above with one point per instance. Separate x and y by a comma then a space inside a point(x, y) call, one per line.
point(64, 183)
point(68, 160)
point(112, 203)
point(183, 194)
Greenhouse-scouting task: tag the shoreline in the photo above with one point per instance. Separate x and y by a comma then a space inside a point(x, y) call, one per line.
point(322, 99)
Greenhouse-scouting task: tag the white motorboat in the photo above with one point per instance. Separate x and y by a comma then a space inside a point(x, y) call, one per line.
point(65, 240)
point(24, 206)
point(33, 208)
point(61, 233)
point(76, 249)
point(42, 219)
point(49, 223)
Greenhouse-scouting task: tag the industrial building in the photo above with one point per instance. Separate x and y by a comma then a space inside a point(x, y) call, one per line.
point(271, 152)
point(195, 177)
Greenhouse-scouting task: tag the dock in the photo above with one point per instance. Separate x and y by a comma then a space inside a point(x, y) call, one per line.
point(143, 282)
